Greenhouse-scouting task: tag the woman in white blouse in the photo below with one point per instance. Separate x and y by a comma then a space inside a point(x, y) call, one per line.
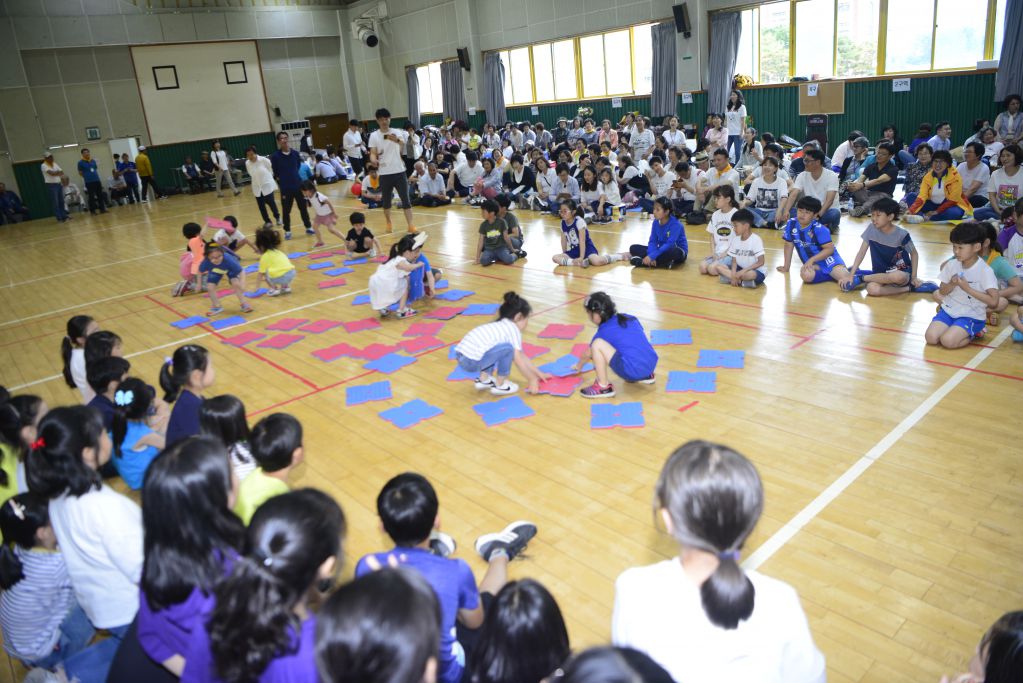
point(263, 185)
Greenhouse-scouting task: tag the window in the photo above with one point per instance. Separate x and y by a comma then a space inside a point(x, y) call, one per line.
point(959, 34)
point(615, 63)
point(774, 42)
point(430, 99)
point(856, 44)
point(815, 39)
point(925, 35)
point(999, 29)
point(749, 46)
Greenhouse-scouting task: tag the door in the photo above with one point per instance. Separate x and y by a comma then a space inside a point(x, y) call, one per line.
point(328, 130)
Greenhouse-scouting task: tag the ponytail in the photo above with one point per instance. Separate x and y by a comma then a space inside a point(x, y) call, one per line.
point(76, 329)
point(132, 401)
point(175, 372)
point(55, 465)
point(714, 498)
point(21, 516)
point(288, 540)
point(514, 305)
point(604, 306)
point(574, 208)
point(406, 243)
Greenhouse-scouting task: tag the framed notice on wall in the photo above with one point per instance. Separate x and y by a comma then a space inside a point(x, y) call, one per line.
point(234, 73)
point(822, 97)
point(165, 77)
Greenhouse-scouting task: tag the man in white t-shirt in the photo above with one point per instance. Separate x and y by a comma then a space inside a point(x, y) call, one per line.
point(222, 169)
point(642, 140)
point(720, 173)
point(975, 174)
point(464, 175)
point(819, 182)
point(352, 144)
point(385, 145)
point(432, 188)
point(52, 175)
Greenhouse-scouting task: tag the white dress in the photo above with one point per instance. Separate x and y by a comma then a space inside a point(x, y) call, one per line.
point(387, 284)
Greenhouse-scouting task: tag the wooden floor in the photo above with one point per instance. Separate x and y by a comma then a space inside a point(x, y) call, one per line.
point(893, 475)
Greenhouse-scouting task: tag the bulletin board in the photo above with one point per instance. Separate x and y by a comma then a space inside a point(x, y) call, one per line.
point(830, 98)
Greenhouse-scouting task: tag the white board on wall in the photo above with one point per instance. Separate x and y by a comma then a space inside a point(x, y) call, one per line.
point(200, 91)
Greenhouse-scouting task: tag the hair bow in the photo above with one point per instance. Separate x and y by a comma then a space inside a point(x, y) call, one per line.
point(18, 509)
point(124, 398)
point(38, 443)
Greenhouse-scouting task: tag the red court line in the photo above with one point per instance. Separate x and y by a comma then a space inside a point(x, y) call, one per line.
point(733, 323)
point(942, 363)
point(808, 338)
point(250, 352)
point(687, 406)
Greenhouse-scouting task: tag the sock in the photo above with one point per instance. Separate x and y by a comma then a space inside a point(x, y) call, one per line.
point(564, 260)
point(497, 553)
point(612, 258)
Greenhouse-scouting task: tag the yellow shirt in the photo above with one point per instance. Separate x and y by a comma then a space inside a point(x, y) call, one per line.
point(274, 263)
point(9, 464)
point(142, 165)
point(256, 489)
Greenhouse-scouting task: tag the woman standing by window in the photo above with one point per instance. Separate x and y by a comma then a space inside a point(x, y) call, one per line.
point(735, 119)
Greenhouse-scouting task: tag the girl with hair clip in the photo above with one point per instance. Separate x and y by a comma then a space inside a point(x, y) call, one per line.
point(192, 539)
point(390, 283)
point(738, 625)
point(576, 246)
point(19, 424)
point(383, 627)
point(619, 344)
point(99, 530)
point(611, 665)
point(135, 442)
point(72, 352)
point(523, 638)
point(261, 627)
point(42, 624)
point(184, 377)
point(999, 655)
point(223, 418)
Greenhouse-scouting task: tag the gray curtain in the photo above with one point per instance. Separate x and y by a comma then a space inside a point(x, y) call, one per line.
point(725, 29)
point(412, 80)
point(1009, 79)
point(452, 92)
point(493, 89)
point(665, 79)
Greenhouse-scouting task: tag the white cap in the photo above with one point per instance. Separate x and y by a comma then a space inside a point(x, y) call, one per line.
point(420, 240)
point(142, 148)
point(47, 154)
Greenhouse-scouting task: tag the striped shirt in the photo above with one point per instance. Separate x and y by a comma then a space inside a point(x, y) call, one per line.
point(485, 337)
point(32, 610)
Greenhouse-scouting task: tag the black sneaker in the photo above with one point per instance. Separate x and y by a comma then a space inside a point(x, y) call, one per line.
point(441, 544)
point(513, 539)
point(636, 261)
point(520, 253)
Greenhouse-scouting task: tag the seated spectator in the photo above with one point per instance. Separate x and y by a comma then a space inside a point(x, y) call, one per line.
point(774, 151)
point(661, 180)
point(999, 655)
point(766, 196)
point(208, 170)
point(306, 170)
point(722, 173)
point(683, 191)
point(464, 176)
point(820, 183)
point(942, 138)
point(118, 189)
point(1009, 123)
point(501, 162)
point(876, 181)
point(488, 185)
point(844, 151)
point(902, 156)
point(796, 165)
point(1006, 185)
point(192, 175)
point(342, 169)
point(324, 170)
point(717, 134)
point(915, 172)
point(519, 180)
point(941, 193)
point(564, 188)
point(371, 195)
point(992, 146)
point(11, 208)
point(852, 166)
point(923, 134)
point(72, 195)
point(752, 151)
point(432, 188)
point(978, 125)
point(974, 173)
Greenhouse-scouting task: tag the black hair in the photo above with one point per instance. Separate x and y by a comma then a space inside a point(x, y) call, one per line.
point(186, 360)
point(232, 220)
point(886, 146)
point(591, 185)
point(924, 129)
point(383, 627)
point(489, 160)
point(100, 345)
point(854, 135)
point(968, 232)
point(942, 155)
point(523, 637)
point(815, 154)
point(21, 516)
point(714, 498)
point(562, 167)
point(977, 147)
point(888, 206)
point(131, 402)
point(102, 372)
point(76, 328)
point(406, 243)
point(191, 230)
point(489, 206)
point(656, 159)
point(768, 139)
point(471, 156)
point(223, 417)
point(17, 413)
point(407, 505)
point(1015, 151)
point(743, 216)
point(573, 207)
point(720, 152)
point(604, 306)
point(55, 465)
point(514, 305)
point(517, 157)
point(382, 113)
point(190, 531)
point(1002, 649)
point(923, 145)
point(503, 200)
point(739, 101)
point(357, 217)
point(726, 191)
point(289, 538)
point(774, 147)
point(991, 235)
point(771, 161)
point(212, 247)
point(274, 440)
point(664, 203)
point(267, 239)
point(613, 665)
point(809, 203)
point(308, 185)
point(941, 124)
point(251, 148)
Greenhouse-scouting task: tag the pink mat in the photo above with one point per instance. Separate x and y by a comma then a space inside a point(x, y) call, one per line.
point(242, 339)
point(417, 344)
point(286, 324)
point(280, 341)
point(336, 282)
point(427, 329)
point(318, 326)
point(364, 324)
point(556, 331)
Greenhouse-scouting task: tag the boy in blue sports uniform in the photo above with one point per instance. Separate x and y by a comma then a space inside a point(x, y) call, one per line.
point(893, 257)
point(218, 263)
point(821, 261)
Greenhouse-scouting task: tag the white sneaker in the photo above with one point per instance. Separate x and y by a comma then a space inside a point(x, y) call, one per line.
point(913, 218)
point(509, 387)
point(480, 384)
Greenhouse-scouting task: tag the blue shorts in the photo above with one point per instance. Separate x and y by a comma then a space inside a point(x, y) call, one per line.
point(972, 326)
point(824, 269)
point(574, 252)
point(727, 262)
point(283, 280)
point(617, 365)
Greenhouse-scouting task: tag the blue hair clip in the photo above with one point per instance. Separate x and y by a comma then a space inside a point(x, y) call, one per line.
point(124, 398)
point(732, 555)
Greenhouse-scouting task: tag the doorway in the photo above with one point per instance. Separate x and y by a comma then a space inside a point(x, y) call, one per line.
point(328, 130)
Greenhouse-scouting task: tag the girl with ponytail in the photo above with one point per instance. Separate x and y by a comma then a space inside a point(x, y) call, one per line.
point(261, 627)
point(700, 615)
point(577, 248)
point(72, 352)
point(184, 378)
point(19, 423)
point(620, 344)
point(135, 443)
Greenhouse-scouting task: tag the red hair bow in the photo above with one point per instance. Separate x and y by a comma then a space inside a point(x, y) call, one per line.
point(38, 443)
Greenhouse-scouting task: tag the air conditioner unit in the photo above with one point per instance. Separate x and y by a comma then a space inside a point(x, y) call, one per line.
point(294, 129)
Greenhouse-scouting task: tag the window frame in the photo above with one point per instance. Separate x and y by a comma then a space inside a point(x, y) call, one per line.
point(417, 67)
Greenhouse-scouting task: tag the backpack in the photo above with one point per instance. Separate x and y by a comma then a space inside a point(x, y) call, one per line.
point(696, 218)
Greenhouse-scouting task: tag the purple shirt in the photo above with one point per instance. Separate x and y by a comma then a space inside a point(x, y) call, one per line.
point(184, 419)
point(296, 666)
point(1006, 234)
point(167, 632)
point(453, 582)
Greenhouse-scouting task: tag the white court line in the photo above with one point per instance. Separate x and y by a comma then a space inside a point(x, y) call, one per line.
point(7, 323)
point(769, 547)
point(82, 270)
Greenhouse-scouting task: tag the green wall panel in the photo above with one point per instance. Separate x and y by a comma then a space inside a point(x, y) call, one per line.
point(168, 157)
point(31, 189)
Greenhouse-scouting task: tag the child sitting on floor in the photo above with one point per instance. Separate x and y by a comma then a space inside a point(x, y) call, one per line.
point(324, 211)
point(1010, 287)
point(720, 228)
point(619, 344)
point(968, 288)
point(135, 444)
point(494, 243)
point(893, 256)
point(218, 264)
point(372, 197)
point(390, 283)
point(667, 246)
point(576, 246)
point(223, 418)
point(490, 349)
point(72, 352)
point(743, 265)
point(359, 239)
point(275, 268)
point(821, 261)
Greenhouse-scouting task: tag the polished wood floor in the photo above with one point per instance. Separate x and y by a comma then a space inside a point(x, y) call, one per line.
point(908, 457)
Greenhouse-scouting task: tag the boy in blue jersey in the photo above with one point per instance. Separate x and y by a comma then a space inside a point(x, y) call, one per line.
point(408, 510)
point(893, 257)
point(220, 262)
point(812, 240)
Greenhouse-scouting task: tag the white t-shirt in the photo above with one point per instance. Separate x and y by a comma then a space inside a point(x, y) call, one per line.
point(979, 276)
point(352, 143)
point(435, 185)
point(767, 195)
point(612, 195)
point(320, 204)
point(828, 182)
point(734, 119)
point(731, 177)
point(468, 175)
point(747, 251)
point(46, 176)
point(677, 138)
point(720, 229)
point(980, 172)
point(481, 339)
point(658, 610)
point(1006, 189)
point(388, 151)
point(100, 534)
point(262, 174)
point(219, 158)
point(661, 184)
point(641, 142)
point(1013, 253)
point(77, 365)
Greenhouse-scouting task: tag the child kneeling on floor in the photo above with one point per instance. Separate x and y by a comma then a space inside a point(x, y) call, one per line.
point(218, 264)
point(619, 344)
point(390, 283)
point(743, 264)
point(490, 349)
point(274, 265)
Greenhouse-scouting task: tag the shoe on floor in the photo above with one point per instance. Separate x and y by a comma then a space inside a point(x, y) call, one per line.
point(913, 218)
point(310, 231)
point(278, 220)
point(595, 390)
point(513, 539)
point(636, 261)
point(652, 379)
point(858, 211)
point(287, 235)
point(1017, 336)
point(286, 289)
point(214, 311)
point(748, 284)
point(274, 292)
point(509, 387)
point(246, 308)
point(318, 245)
point(407, 313)
point(482, 384)
point(441, 544)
